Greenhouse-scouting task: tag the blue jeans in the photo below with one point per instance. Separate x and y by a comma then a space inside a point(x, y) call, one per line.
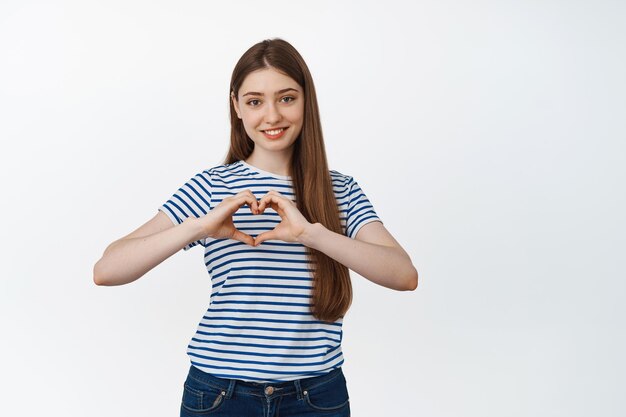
point(207, 395)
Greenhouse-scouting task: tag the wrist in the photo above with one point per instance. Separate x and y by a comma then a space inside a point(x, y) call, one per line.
point(311, 234)
point(194, 227)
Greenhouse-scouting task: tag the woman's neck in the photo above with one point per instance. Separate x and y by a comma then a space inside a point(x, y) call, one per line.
point(276, 165)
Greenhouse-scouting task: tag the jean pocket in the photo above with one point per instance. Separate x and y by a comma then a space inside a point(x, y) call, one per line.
point(201, 399)
point(330, 396)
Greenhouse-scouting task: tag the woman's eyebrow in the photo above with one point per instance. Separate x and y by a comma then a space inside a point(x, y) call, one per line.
point(284, 90)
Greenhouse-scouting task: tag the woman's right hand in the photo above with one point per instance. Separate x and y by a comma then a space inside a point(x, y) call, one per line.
point(218, 223)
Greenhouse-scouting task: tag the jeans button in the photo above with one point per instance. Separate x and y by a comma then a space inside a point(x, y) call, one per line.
point(269, 390)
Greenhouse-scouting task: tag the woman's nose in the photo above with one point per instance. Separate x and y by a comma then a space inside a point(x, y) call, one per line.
point(273, 114)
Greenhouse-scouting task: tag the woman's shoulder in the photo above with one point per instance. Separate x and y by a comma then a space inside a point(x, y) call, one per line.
point(223, 170)
point(340, 179)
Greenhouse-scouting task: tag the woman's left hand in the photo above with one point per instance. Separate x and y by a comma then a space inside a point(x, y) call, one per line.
point(292, 224)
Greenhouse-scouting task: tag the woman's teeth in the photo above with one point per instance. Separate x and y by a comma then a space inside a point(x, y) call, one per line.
point(274, 132)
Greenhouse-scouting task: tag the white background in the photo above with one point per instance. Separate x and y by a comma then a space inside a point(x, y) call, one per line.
point(488, 135)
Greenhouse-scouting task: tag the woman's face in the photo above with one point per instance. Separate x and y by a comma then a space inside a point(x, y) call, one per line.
point(271, 107)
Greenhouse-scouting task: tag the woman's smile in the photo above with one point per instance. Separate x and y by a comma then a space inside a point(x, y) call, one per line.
point(274, 133)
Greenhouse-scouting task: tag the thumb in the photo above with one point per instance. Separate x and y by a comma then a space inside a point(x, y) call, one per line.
point(242, 237)
point(264, 236)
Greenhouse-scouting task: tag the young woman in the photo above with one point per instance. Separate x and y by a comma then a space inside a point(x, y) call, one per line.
point(279, 231)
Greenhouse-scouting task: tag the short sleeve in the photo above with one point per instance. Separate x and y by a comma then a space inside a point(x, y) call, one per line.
point(192, 199)
point(360, 210)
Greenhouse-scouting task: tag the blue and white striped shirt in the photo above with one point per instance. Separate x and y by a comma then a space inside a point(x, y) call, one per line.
point(258, 326)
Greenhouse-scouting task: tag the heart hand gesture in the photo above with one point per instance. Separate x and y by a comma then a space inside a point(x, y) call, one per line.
point(292, 224)
point(218, 223)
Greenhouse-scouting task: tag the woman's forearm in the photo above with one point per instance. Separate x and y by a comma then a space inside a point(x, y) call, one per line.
point(388, 266)
point(126, 260)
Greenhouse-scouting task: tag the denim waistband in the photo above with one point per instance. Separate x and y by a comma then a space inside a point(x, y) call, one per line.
point(263, 389)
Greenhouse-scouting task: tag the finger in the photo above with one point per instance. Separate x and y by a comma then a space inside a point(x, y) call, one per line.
point(277, 208)
point(265, 236)
point(243, 237)
point(262, 204)
point(246, 198)
point(254, 207)
point(252, 202)
point(268, 198)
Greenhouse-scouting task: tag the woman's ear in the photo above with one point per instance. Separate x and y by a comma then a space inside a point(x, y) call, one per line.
point(235, 104)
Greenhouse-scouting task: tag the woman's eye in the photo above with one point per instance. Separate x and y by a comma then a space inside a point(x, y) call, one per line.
point(251, 101)
point(289, 97)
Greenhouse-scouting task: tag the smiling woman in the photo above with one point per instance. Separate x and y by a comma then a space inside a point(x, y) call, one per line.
point(272, 108)
point(280, 231)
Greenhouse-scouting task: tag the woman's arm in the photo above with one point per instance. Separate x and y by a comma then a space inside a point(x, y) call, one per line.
point(373, 254)
point(129, 258)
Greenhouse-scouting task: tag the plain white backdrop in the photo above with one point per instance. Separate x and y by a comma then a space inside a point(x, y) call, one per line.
point(488, 135)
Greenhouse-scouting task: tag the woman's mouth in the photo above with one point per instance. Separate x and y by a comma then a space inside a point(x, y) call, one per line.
point(274, 133)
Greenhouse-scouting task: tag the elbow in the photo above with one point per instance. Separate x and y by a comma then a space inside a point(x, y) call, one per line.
point(412, 281)
point(97, 280)
point(97, 275)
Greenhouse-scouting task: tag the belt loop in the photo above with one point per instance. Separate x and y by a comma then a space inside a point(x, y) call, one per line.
point(298, 389)
point(231, 388)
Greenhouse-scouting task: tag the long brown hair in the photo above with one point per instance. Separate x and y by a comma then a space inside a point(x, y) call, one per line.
point(332, 288)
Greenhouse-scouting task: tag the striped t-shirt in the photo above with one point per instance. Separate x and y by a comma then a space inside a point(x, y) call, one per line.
point(258, 325)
